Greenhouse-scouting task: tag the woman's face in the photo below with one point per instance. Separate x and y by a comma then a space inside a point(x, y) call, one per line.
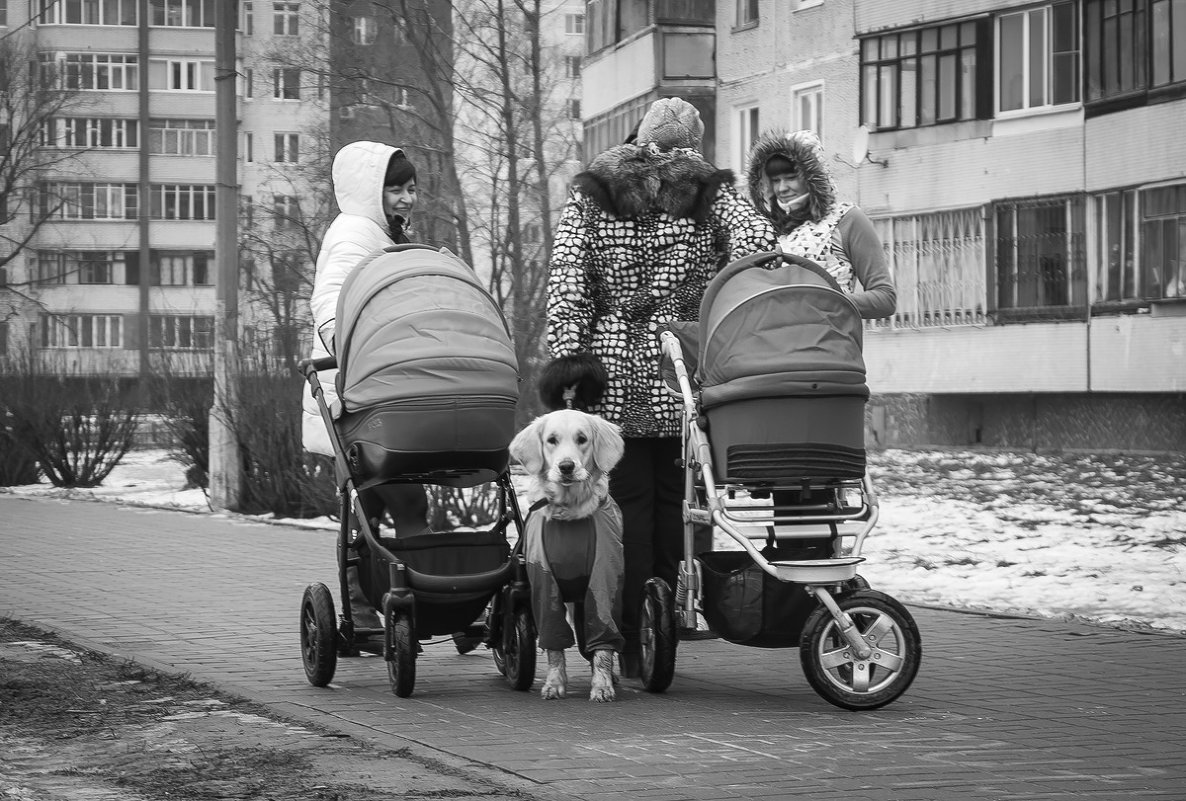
point(399, 199)
point(787, 185)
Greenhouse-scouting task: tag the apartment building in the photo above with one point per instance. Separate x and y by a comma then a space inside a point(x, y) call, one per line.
point(1023, 164)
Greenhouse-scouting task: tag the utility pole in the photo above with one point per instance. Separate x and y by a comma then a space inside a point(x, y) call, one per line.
point(226, 468)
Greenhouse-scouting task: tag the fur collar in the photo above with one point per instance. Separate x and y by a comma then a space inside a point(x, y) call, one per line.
point(820, 187)
point(629, 181)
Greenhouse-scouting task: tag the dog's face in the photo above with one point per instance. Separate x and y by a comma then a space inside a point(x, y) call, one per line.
point(569, 454)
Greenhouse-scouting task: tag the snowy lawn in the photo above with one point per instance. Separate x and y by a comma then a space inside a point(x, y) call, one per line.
point(1098, 538)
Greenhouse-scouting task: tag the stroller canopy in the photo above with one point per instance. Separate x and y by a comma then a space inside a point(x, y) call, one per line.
point(775, 325)
point(415, 326)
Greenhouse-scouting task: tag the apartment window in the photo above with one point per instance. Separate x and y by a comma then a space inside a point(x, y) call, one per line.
point(747, 128)
point(100, 72)
point(922, 77)
point(183, 13)
point(286, 83)
point(181, 137)
point(287, 148)
point(807, 108)
point(90, 132)
point(181, 75)
point(1115, 48)
point(246, 212)
point(180, 332)
point(247, 24)
point(574, 24)
point(181, 202)
point(286, 19)
point(4, 24)
point(79, 267)
point(81, 331)
point(572, 66)
point(574, 109)
point(286, 211)
point(96, 268)
point(1116, 247)
point(1168, 24)
point(83, 12)
point(364, 31)
point(1163, 241)
point(248, 90)
point(747, 12)
point(249, 148)
point(1039, 253)
point(1037, 58)
point(88, 201)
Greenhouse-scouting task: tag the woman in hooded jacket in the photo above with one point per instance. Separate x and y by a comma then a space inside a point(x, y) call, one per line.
point(790, 183)
point(645, 227)
point(375, 187)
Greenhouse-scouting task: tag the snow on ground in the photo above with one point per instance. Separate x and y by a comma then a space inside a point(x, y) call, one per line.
point(1096, 538)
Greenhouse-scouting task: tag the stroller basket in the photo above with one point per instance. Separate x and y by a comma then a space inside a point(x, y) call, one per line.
point(747, 606)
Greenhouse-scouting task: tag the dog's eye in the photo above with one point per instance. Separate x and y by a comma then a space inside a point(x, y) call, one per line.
point(552, 439)
point(582, 439)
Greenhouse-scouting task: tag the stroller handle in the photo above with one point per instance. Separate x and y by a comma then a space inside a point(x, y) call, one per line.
point(310, 367)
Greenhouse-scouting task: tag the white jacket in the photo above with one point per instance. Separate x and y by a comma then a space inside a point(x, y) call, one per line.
point(358, 231)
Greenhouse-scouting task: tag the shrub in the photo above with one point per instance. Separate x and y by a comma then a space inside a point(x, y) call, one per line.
point(18, 466)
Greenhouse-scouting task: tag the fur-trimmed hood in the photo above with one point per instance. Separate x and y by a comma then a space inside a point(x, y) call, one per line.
point(629, 181)
point(803, 149)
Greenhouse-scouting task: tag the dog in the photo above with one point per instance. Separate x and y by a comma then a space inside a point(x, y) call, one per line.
point(573, 541)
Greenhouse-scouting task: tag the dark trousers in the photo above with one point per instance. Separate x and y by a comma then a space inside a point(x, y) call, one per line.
point(649, 488)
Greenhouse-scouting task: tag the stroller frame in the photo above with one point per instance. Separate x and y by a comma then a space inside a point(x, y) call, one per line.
point(509, 629)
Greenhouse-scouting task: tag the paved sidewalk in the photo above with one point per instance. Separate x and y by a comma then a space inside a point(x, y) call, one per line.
point(1001, 709)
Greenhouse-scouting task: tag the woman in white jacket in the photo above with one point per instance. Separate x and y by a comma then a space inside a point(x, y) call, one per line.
point(375, 186)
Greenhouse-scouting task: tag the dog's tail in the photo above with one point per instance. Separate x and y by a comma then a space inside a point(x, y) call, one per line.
point(577, 381)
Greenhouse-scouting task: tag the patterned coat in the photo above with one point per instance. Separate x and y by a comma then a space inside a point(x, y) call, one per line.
point(642, 234)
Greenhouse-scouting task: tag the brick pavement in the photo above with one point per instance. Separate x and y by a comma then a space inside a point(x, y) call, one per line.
point(1002, 708)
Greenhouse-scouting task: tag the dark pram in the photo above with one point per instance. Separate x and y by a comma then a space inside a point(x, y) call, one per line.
point(427, 385)
point(773, 386)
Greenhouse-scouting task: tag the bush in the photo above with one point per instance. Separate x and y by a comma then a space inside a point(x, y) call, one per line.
point(184, 405)
point(18, 466)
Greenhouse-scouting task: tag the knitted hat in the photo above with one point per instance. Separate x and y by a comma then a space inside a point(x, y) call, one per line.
point(399, 170)
point(671, 122)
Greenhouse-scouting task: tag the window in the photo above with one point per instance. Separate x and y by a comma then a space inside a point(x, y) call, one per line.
point(181, 75)
point(747, 12)
point(100, 72)
point(922, 77)
point(1163, 242)
point(574, 24)
point(1168, 23)
point(183, 13)
point(84, 12)
point(574, 109)
point(364, 31)
point(1037, 58)
point(287, 148)
point(181, 137)
point(1115, 249)
point(286, 211)
point(180, 332)
point(96, 268)
point(747, 129)
point(79, 267)
point(181, 269)
point(1115, 48)
point(807, 108)
point(286, 83)
point(286, 19)
point(249, 147)
point(90, 132)
point(1040, 253)
point(88, 201)
point(246, 212)
point(81, 331)
point(181, 202)
point(572, 66)
point(247, 25)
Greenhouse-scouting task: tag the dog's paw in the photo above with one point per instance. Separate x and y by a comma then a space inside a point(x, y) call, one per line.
point(556, 681)
point(602, 689)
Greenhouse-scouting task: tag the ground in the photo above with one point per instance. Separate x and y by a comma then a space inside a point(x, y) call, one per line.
point(75, 724)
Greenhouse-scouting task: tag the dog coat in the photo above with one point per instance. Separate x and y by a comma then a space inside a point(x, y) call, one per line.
point(577, 561)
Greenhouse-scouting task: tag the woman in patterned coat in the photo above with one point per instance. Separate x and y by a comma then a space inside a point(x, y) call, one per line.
point(790, 183)
point(645, 227)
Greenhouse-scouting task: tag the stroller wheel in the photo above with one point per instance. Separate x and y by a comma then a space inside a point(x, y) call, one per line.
point(401, 662)
point(518, 650)
point(838, 674)
point(319, 635)
point(657, 636)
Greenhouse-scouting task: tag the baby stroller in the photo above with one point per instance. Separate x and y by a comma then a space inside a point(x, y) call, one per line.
point(427, 384)
point(774, 459)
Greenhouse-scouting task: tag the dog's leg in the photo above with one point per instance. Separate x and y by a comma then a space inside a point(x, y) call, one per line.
point(603, 676)
point(556, 683)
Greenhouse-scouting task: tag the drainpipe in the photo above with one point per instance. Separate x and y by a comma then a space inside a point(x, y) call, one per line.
point(144, 188)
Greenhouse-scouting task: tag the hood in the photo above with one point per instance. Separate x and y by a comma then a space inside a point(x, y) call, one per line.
point(803, 149)
point(629, 181)
point(358, 172)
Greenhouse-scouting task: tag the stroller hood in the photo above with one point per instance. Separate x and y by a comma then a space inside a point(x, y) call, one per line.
point(774, 325)
point(415, 326)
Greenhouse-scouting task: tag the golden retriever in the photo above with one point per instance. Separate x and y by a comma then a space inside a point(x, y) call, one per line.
point(573, 541)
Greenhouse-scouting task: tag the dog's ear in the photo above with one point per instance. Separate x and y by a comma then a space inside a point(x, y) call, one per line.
point(608, 445)
point(584, 371)
point(527, 448)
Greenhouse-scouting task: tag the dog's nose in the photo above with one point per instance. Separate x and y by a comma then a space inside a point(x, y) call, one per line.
point(566, 466)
